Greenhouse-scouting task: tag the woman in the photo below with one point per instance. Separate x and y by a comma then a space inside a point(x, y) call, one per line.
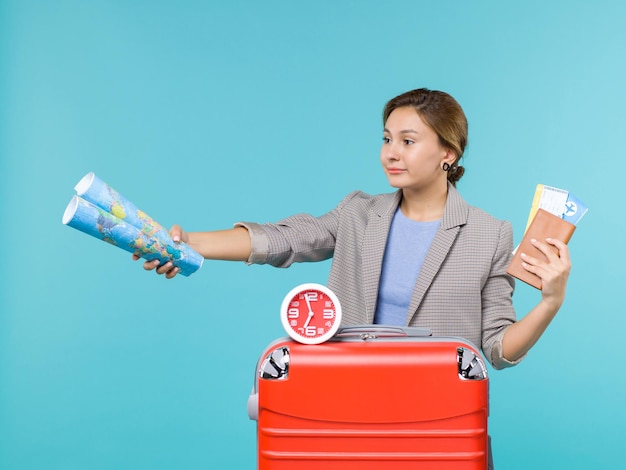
point(420, 256)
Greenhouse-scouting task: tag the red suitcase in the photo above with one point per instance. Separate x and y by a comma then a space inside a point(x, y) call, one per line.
point(372, 398)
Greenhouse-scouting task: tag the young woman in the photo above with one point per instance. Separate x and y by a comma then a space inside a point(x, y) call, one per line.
point(420, 256)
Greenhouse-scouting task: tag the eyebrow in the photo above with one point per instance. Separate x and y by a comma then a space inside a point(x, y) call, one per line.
point(404, 131)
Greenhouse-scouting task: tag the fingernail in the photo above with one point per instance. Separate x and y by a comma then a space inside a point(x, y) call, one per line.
point(523, 255)
point(177, 239)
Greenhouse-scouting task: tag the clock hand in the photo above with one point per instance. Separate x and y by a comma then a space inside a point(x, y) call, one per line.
point(308, 304)
point(306, 323)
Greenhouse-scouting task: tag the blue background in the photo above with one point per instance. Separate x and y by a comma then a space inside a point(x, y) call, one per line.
point(206, 113)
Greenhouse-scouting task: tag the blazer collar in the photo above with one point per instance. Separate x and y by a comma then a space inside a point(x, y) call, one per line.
point(454, 215)
point(373, 248)
point(456, 211)
point(386, 206)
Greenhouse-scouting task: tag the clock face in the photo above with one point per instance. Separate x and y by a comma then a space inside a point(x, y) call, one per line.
point(311, 313)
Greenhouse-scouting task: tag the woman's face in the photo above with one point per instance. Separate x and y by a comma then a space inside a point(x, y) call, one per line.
point(411, 154)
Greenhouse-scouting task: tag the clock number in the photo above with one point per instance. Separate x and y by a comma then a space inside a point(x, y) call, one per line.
point(308, 331)
point(329, 314)
point(312, 296)
point(293, 313)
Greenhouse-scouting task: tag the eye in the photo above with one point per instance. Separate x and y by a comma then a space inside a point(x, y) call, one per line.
point(408, 142)
point(386, 140)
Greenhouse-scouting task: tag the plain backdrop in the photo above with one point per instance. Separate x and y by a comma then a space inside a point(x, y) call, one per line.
point(205, 113)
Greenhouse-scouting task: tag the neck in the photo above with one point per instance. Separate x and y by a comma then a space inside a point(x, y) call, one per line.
point(424, 206)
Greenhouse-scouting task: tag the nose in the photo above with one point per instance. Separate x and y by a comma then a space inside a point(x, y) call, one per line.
point(390, 152)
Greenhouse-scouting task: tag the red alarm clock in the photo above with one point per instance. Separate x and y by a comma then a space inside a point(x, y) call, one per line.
point(311, 313)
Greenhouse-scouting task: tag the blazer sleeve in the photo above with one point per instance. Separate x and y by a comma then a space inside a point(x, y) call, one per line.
point(296, 239)
point(497, 293)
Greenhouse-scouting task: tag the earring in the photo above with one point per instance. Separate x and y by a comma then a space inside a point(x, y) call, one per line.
point(445, 166)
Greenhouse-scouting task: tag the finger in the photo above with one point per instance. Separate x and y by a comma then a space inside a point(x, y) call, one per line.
point(529, 263)
point(560, 246)
point(541, 270)
point(564, 264)
point(550, 252)
point(534, 260)
point(165, 268)
point(554, 271)
point(172, 272)
point(150, 265)
point(168, 269)
point(176, 232)
point(557, 255)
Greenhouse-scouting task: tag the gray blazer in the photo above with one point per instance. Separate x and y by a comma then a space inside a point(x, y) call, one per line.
point(462, 289)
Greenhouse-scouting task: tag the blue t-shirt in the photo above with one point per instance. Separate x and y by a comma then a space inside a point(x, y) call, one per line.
point(407, 245)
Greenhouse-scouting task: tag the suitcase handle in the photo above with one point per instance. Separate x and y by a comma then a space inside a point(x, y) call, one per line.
point(366, 332)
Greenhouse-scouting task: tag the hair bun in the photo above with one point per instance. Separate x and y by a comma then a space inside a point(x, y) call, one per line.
point(455, 173)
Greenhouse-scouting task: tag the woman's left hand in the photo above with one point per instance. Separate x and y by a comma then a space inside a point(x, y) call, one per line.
point(554, 272)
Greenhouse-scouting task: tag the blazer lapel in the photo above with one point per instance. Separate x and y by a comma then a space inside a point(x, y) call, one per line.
point(454, 216)
point(374, 242)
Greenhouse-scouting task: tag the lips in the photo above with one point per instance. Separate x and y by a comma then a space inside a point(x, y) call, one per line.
point(394, 171)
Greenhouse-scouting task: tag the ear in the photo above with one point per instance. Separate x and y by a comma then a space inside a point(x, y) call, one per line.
point(449, 157)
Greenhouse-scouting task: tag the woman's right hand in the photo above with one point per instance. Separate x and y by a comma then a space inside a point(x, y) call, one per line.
point(170, 271)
